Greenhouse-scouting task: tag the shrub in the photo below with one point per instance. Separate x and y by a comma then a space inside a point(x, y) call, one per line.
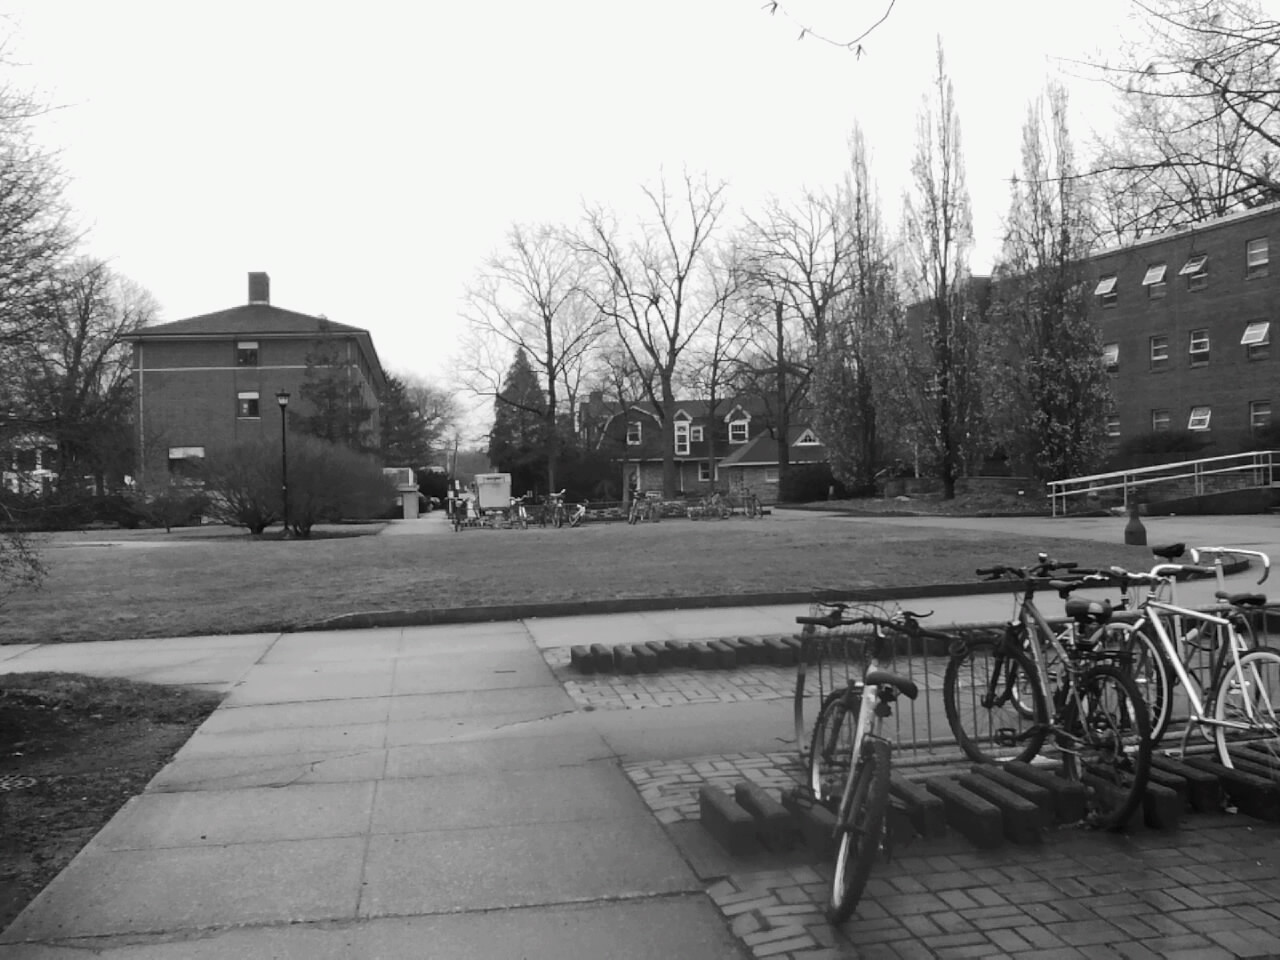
point(175, 505)
point(243, 483)
point(329, 482)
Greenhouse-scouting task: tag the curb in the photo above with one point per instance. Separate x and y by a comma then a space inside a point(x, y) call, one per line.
point(442, 616)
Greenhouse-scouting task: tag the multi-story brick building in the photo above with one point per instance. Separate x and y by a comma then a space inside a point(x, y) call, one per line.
point(208, 381)
point(1185, 319)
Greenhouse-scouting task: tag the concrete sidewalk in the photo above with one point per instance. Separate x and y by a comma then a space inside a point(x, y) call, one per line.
point(434, 791)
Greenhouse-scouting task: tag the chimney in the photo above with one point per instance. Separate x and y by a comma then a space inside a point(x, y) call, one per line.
point(259, 288)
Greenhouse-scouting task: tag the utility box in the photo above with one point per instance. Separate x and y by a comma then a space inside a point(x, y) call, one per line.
point(493, 491)
point(406, 489)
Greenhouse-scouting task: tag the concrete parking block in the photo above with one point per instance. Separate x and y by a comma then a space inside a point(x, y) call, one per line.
point(509, 797)
point(135, 891)
point(351, 738)
point(214, 817)
point(234, 771)
point(511, 866)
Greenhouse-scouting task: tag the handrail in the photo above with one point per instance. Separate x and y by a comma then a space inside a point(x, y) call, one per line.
point(1137, 477)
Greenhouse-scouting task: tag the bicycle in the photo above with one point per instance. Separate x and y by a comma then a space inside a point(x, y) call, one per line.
point(1234, 699)
point(517, 515)
point(848, 743)
point(554, 509)
point(1089, 709)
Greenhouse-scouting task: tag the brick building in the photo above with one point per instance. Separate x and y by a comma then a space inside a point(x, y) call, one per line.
point(1185, 319)
point(744, 452)
point(211, 380)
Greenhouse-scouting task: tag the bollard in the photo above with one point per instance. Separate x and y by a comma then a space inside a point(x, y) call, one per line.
point(1134, 532)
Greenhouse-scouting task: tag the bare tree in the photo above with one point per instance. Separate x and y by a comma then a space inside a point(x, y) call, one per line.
point(657, 287)
point(850, 389)
point(942, 359)
point(801, 268)
point(529, 296)
point(75, 368)
point(854, 45)
point(1199, 131)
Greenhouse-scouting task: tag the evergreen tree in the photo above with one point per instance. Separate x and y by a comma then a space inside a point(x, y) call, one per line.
point(335, 408)
point(407, 436)
point(518, 442)
point(1053, 386)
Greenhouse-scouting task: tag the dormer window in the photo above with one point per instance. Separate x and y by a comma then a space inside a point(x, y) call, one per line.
point(634, 433)
point(738, 430)
point(695, 433)
point(682, 438)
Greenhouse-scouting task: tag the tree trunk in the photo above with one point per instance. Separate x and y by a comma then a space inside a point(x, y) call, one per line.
point(668, 438)
point(784, 415)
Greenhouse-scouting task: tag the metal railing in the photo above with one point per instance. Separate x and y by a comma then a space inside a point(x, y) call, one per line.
point(1255, 467)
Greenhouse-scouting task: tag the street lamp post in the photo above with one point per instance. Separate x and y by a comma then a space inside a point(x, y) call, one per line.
point(282, 398)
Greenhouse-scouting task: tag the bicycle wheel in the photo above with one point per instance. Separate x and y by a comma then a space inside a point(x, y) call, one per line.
point(831, 747)
point(994, 701)
point(1141, 656)
point(557, 517)
point(1104, 738)
point(1249, 693)
point(860, 825)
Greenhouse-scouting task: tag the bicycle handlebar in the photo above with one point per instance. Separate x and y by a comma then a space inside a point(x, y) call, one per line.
point(1225, 551)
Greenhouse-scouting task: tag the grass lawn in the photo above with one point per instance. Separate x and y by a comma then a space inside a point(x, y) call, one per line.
point(218, 581)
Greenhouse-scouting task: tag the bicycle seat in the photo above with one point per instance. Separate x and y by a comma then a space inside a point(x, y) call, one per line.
point(1170, 551)
point(907, 687)
point(1242, 599)
point(1089, 612)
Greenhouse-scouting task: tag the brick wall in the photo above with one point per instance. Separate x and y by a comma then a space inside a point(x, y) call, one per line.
point(1226, 304)
point(187, 394)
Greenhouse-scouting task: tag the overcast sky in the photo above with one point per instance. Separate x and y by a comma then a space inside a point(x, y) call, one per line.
point(369, 155)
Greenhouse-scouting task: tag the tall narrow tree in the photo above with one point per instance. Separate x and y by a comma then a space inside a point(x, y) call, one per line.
point(941, 355)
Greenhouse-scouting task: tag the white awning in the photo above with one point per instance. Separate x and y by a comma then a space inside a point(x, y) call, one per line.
point(1255, 333)
point(1194, 265)
point(1105, 286)
point(1155, 274)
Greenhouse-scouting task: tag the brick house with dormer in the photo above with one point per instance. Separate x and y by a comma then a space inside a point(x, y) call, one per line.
point(735, 447)
point(211, 380)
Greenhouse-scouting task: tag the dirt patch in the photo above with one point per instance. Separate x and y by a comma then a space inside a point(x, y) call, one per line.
point(73, 749)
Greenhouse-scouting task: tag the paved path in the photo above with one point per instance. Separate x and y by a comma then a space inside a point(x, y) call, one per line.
point(435, 791)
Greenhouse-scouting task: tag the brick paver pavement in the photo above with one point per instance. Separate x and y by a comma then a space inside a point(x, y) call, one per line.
point(1208, 890)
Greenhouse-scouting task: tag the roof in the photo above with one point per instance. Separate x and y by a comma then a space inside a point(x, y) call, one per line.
point(265, 321)
point(762, 450)
point(1189, 229)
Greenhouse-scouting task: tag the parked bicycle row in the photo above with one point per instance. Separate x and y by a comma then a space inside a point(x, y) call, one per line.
point(552, 511)
point(1095, 695)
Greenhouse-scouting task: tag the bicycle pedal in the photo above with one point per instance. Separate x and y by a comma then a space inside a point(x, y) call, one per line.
point(1005, 737)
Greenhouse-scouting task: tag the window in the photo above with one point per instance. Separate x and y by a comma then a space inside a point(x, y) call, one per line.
point(1111, 357)
point(1259, 414)
point(1199, 419)
point(1195, 272)
point(682, 438)
point(1199, 347)
point(1113, 425)
point(1159, 421)
point(1106, 290)
point(770, 474)
point(1257, 340)
point(1154, 281)
point(247, 353)
point(807, 439)
point(1257, 258)
point(695, 433)
point(738, 431)
point(1159, 352)
point(182, 460)
point(705, 472)
point(247, 405)
point(633, 433)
